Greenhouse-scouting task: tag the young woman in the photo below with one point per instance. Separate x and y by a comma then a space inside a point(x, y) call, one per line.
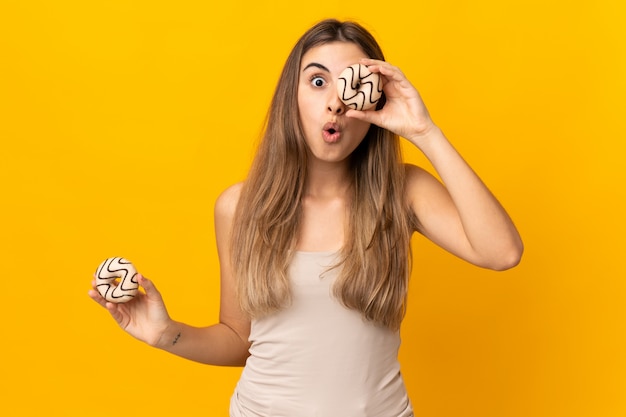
point(314, 245)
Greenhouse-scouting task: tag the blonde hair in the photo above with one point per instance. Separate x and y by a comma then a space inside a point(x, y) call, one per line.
point(375, 261)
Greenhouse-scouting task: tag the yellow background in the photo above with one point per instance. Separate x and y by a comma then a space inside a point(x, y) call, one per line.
point(121, 121)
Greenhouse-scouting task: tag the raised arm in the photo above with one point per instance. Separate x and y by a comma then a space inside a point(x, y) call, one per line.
point(461, 215)
point(146, 318)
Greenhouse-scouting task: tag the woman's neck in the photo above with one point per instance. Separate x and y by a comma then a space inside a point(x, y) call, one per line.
point(327, 180)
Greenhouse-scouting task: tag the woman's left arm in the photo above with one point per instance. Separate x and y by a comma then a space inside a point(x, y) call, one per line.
point(463, 216)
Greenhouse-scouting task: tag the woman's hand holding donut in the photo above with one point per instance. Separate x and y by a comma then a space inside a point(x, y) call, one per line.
point(145, 317)
point(404, 112)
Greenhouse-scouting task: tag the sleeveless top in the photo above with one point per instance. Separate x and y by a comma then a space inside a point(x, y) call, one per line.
point(319, 358)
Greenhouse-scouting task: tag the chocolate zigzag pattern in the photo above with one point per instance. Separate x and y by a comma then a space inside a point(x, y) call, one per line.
point(111, 269)
point(357, 90)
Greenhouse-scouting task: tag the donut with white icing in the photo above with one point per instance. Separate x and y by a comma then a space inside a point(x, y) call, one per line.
point(109, 271)
point(359, 88)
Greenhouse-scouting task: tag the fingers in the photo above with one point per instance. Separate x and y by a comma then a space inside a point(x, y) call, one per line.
point(115, 313)
point(112, 308)
point(145, 283)
point(95, 295)
point(369, 61)
point(151, 292)
point(369, 116)
point(384, 68)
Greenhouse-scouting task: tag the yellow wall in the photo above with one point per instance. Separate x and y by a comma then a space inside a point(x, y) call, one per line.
point(121, 121)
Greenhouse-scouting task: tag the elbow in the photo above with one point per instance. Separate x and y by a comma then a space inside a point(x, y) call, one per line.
point(241, 360)
point(509, 258)
point(507, 263)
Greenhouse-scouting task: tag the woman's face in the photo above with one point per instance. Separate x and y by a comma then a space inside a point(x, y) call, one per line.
point(329, 134)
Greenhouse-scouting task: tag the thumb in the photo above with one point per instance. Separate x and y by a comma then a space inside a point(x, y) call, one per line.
point(369, 116)
point(149, 287)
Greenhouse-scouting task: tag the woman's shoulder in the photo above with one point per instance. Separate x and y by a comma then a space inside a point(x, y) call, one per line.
point(420, 184)
point(226, 202)
point(416, 173)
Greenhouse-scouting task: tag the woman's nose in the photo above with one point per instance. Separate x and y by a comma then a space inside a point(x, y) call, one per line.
point(335, 105)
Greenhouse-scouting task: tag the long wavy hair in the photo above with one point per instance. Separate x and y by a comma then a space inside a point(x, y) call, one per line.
point(374, 263)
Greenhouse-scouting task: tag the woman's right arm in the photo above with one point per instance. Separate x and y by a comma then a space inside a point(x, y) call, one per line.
point(146, 318)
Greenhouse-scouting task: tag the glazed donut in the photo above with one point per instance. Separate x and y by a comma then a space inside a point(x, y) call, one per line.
point(112, 269)
point(359, 88)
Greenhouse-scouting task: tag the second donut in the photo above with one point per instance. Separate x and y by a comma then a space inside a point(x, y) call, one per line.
point(107, 275)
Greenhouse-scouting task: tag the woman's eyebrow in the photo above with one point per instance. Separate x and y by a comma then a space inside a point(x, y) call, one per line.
point(315, 64)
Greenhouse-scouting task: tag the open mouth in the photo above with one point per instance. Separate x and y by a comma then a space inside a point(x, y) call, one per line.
point(331, 132)
point(331, 128)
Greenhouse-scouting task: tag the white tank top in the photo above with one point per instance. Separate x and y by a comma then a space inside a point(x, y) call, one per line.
point(318, 358)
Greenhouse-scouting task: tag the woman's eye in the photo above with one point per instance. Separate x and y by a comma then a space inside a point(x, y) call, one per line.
point(318, 81)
